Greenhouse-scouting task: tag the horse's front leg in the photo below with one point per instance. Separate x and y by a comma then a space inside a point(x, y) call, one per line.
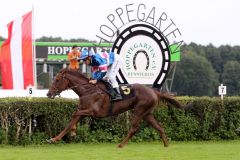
point(75, 118)
point(73, 130)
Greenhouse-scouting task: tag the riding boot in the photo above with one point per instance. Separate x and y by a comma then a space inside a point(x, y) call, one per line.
point(118, 96)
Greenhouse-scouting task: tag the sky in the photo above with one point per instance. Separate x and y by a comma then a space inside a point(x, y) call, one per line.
point(202, 21)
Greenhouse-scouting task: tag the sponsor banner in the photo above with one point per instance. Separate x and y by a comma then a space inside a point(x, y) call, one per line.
point(59, 51)
point(145, 54)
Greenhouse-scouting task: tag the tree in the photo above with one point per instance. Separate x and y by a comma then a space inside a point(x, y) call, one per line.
point(226, 53)
point(231, 77)
point(195, 76)
point(193, 47)
point(214, 56)
point(59, 39)
point(49, 39)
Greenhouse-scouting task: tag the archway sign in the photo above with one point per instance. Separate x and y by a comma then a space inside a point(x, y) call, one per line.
point(146, 42)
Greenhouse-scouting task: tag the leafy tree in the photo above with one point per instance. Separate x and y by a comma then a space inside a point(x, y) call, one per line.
point(235, 52)
point(226, 53)
point(193, 47)
point(59, 39)
point(214, 56)
point(220, 58)
point(231, 77)
point(195, 76)
point(49, 39)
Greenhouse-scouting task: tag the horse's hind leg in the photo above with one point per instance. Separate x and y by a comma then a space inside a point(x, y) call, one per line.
point(134, 128)
point(155, 124)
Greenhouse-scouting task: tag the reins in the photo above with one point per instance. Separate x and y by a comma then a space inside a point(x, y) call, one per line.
point(75, 86)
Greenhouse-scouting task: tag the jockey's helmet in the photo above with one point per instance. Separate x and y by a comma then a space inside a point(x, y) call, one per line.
point(84, 54)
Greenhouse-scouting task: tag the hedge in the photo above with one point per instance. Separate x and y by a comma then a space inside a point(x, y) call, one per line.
point(32, 121)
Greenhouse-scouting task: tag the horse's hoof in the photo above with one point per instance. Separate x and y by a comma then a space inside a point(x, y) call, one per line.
point(73, 134)
point(189, 106)
point(120, 146)
point(166, 145)
point(50, 141)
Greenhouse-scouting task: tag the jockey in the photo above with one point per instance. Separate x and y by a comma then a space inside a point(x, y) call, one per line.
point(105, 66)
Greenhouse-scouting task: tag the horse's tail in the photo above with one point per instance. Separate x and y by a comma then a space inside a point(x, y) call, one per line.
point(169, 98)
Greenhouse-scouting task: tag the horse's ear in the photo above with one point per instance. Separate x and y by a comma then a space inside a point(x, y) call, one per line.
point(57, 77)
point(65, 71)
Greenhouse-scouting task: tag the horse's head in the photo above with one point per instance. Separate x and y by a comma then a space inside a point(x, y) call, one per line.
point(59, 84)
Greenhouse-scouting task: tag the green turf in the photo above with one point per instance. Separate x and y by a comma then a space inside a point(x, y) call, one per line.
point(223, 150)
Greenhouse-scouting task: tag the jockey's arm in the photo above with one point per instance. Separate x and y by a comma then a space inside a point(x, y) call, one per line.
point(96, 76)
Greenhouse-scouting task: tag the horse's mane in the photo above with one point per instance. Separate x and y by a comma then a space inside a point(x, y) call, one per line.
point(75, 73)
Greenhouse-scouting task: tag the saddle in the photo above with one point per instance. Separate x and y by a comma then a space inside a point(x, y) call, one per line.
point(126, 90)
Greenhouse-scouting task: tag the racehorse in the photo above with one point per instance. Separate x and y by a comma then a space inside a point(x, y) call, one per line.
point(95, 101)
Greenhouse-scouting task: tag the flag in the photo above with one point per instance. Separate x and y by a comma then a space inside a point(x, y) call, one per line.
point(17, 54)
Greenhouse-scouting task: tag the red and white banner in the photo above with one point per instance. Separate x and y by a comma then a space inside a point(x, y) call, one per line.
point(17, 65)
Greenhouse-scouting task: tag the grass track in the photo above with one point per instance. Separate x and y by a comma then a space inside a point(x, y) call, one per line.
point(221, 150)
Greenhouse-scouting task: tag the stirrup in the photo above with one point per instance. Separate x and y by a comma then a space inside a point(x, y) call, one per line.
point(117, 97)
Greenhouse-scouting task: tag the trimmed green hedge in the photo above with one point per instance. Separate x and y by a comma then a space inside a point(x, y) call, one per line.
point(31, 121)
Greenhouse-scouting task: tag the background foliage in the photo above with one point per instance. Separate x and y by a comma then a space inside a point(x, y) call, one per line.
point(203, 68)
point(31, 121)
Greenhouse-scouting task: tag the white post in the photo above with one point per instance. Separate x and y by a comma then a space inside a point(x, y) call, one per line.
point(45, 67)
point(30, 91)
point(222, 90)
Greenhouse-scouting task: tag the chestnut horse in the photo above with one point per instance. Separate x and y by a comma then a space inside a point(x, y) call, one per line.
point(95, 102)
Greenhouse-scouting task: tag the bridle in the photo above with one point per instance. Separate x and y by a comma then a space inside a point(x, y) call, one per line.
point(59, 91)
